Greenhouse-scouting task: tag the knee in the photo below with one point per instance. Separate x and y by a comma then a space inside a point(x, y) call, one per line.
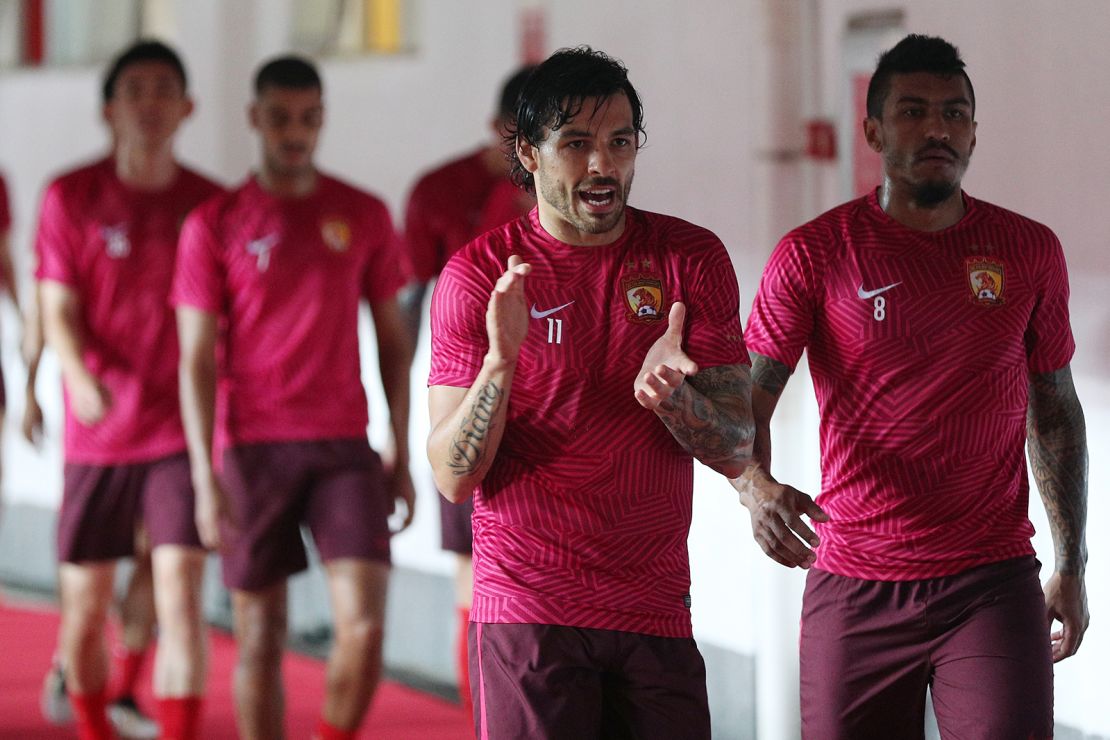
point(260, 643)
point(361, 633)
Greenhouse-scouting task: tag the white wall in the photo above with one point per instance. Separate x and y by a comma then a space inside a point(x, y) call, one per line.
point(725, 85)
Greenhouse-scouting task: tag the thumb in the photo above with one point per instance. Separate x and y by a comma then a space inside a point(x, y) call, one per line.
point(514, 260)
point(676, 319)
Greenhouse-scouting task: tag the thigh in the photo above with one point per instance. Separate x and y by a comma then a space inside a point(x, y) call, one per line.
point(658, 691)
point(168, 503)
point(864, 668)
point(456, 530)
point(993, 667)
point(347, 509)
point(99, 512)
point(534, 681)
point(264, 485)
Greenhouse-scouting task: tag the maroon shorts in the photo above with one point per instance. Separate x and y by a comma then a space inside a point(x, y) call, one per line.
point(979, 639)
point(455, 526)
point(540, 680)
point(336, 487)
point(102, 506)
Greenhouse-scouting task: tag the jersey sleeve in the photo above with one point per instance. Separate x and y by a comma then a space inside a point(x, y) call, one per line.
point(385, 273)
point(200, 276)
point(458, 321)
point(713, 332)
point(56, 241)
point(1049, 344)
point(784, 310)
point(422, 244)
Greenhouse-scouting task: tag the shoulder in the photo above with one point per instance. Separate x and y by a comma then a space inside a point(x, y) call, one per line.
point(81, 181)
point(679, 235)
point(202, 186)
point(339, 193)
point(1012, 224)
point(446, 175)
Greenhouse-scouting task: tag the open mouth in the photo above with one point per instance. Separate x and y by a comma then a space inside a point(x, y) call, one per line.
point(598, 198)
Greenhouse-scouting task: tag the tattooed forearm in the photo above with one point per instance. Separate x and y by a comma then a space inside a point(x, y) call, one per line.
point(468, 446)
point(1057, 438)
point(768, 380)
point(769, 375)
point(710, 415)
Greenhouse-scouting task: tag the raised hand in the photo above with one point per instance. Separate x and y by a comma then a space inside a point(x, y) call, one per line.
point(666, 365)
point(507, 313)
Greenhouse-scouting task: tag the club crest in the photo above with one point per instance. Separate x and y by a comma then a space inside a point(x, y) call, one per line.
point(643, 295)
point(336, 233)
point(985, 277)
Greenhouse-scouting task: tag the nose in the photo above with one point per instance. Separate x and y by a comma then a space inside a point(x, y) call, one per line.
point(937, 126)
point(601, 162)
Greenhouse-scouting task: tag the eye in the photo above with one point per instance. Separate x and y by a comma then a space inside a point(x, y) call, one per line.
point(956, 114)
point(913, 112)
point(576, 144)
point(622, 142)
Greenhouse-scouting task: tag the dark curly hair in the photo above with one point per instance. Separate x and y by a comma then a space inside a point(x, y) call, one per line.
point(555, 92)
point(146, 50)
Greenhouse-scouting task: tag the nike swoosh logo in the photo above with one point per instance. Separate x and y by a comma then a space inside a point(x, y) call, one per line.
point(544, 314)
point(865, 294)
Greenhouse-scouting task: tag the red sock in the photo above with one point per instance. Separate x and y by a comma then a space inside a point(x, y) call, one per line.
point(179, 717)
point(128, 664)
point(92, 719)
point(326, 731)
point(462, 655)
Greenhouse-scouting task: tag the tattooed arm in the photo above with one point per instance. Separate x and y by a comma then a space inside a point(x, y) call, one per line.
point(1057, 438)
point(776, 510)
point(467, 423)
point(707, 412)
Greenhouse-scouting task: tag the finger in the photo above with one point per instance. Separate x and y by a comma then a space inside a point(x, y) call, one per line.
point(672, 376)
point(810, 508)
point(676, 319)
point(788, 545)
point(800, 528)
point(514, 260)
point(770, 551)
point(661, 385)
point(518, 266)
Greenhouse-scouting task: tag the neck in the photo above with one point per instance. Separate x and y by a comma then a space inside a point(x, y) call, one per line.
point(905, 210)
point(145, 168)
point(288, 185)
point(553, 223)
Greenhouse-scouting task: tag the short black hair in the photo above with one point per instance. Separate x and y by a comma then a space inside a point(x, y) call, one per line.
point(146, 50)
point(510, 91)
point(555, 92)
point(915, 53)
point(289, 71)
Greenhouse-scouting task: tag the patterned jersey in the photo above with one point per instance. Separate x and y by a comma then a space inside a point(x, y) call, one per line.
point(115, 247)
point(444, 212)
point(582, 520)
point(285, 276)
point(920, 347)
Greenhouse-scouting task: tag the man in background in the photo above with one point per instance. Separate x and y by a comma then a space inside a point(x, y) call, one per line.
point(270, 279)
point(106, 249)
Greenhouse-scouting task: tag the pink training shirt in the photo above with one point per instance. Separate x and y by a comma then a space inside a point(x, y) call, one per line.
point(582, 520)
point(285, 276)
point(920, 346)
point(115, 247)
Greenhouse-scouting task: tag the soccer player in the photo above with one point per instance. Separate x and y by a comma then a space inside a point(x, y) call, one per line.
point(106, 248)
point(938, 338)
point(269, 279)
point(448, 207)
point(582, 357)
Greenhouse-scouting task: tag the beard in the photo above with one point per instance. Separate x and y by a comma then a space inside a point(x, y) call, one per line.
point(932, 194)
point(585, 221)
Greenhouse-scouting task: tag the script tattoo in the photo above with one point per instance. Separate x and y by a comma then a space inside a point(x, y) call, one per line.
point(468, 445)
point(710, 415)
point(1057, 437)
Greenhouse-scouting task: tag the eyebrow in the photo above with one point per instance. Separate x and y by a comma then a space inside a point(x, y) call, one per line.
point(584, 134)
point(960, 100)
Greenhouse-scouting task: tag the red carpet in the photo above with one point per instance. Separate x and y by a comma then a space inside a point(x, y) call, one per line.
point(27, 637)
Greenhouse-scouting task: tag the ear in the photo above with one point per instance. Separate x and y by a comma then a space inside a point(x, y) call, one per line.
point(190, 106)
point(253, 115)
point(527, 155)
point(106, 113)
point(974, 127)
point(873, 133)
